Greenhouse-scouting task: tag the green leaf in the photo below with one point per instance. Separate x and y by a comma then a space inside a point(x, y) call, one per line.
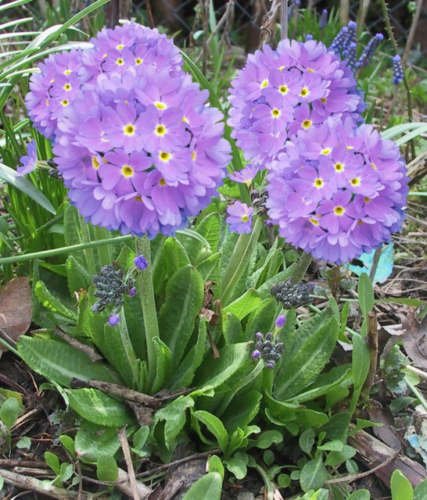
point(77, 275)
point(140, 437)
point(401, 488)
point(215, 426)
point(184, 374)
point(175, 256)
point(313, 474)
point(267, 439)
point(24, 443)
point(236, 466)
point(106, 469)
point(309, 360)
point(261, 318)
point(215, 371)
point(366, 295)
point(209, 486)
point(23, 184)
point(360, 495)
point(332, 446)
point(99, 408)
point(93, 441)
point(307, 418)
point(9, 412)
point(72, 233)
point(163, 365)
point(360, 365)
point(364, 424)
point(243, 305)
point(65, 472)
point(60, 362)
point(68, 443)
point(306, 440)
point(53, 462)
point(335, 458)
point(174, 415)
point(242, 410)
point(184, 298)
point(209, 268)
point(232, 327)
point(215, 465)
point(404, 301)
point(1, 482)
point(420, 492)
point(48, 300)
point(209, 229)
point(337, 427)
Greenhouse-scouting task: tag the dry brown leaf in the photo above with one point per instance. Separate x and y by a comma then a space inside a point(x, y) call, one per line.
point(15, 308)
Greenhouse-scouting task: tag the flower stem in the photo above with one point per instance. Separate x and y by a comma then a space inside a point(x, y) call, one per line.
point(104, 252)
point(130, 353)
point(239, 260)
point(59, 251)
point(284, 19)
point(146, 293)
point(90, 259)
point(405, 80)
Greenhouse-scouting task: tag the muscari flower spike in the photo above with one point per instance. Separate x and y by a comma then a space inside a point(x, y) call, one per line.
point(323, 21)
point(369, 50)
point(268, 348)
point(111, 288)
point(280, 92)
point(292, 295)
point(345, 191)
point(397, 70)
point(137, 147)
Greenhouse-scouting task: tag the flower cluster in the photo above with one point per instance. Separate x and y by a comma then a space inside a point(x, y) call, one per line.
point(345, 191)
point(270, 349)
point(397, 70)
point(111, 288)
point(280, 92)
point(292, 295)
point(134, 141)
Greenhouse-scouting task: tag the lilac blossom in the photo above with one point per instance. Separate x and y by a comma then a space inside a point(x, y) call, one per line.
point(240, 217)
point(138, 148)
point(29, 161)
point(280, 92)
point(338, 192)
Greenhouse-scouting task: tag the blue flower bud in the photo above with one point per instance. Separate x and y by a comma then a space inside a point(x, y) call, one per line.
point(280, 321)
point(132, 292)
point(140, 262)
point(397, 70)
point(323, 19)
point(113, 319)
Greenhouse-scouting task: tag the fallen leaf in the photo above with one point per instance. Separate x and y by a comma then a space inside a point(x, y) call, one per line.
point(15, 308)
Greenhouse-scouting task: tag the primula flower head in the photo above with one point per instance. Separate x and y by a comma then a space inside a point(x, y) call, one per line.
point(279, 92)
point(137, 147)
point(338, 192)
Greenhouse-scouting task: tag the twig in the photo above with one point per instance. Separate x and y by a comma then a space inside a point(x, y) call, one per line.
point(412, 31)
point(419, 372)
point(23, 463)
point(161, 468)
point(150, 13)
point(405, 80)
point(205, 4)
point(89, 351)
point(128, 459)
point(284, 19)
point(375, 262)
point(269, 24)
point(31, 484)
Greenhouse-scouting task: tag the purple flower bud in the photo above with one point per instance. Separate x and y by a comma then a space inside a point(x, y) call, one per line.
point(323, 19)
point(259, 336)
point(256, 354)
point(140, 262)
point(132, 292)
point(113, 319)
point(270, 365)
point(308, 37)
point(280, 321)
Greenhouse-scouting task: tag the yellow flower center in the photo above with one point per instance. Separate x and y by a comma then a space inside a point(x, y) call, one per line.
point(283, 89)
point(244, 218)
point(138, 61)
point(185, 120)
point(67, 87)
point(67, 72)
point(349, 148)
point(360, 222)
point(127, 171)
point(281, 68)
point(162, 182)
point(47, 102)
point(355, 181)
point(193, 155)
point(95, 163)
point(310, 70)
point(307, 124)
point(339, 167)
point(276, 113)
point(160, 105)
point(160, 130)
point(318, 183)
point(138, 198)
point(165, 156)
point(325, 151)
point(65, 102)
point(304, 92)
point(120, 47)
point(366, 199)
point(339, 211)
point(315, 222)
point(264, 84)
point(373, 166)
point(129, 129)
point(105, 55)
point(323, 100)
point(120, 62)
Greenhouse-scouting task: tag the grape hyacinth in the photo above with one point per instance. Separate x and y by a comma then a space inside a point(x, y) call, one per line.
point(323, 21)
point(292, 295)
point(138, 148)
point(397, 70)
point(345, 191)
point(280, 92)
point(268, 348)
point(369, 50)
point(111, 288)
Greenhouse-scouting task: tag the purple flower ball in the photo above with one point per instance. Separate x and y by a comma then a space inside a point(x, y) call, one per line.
point(135, 142)
point(338, 192)
point(140, 262)
point(113, 319)
point(132, 292)
point(256, 354)
point(280, 321)
point(280, 92)
point(240, 217)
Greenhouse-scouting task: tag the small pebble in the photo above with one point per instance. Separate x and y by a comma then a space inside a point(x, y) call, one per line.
point(245, 495)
